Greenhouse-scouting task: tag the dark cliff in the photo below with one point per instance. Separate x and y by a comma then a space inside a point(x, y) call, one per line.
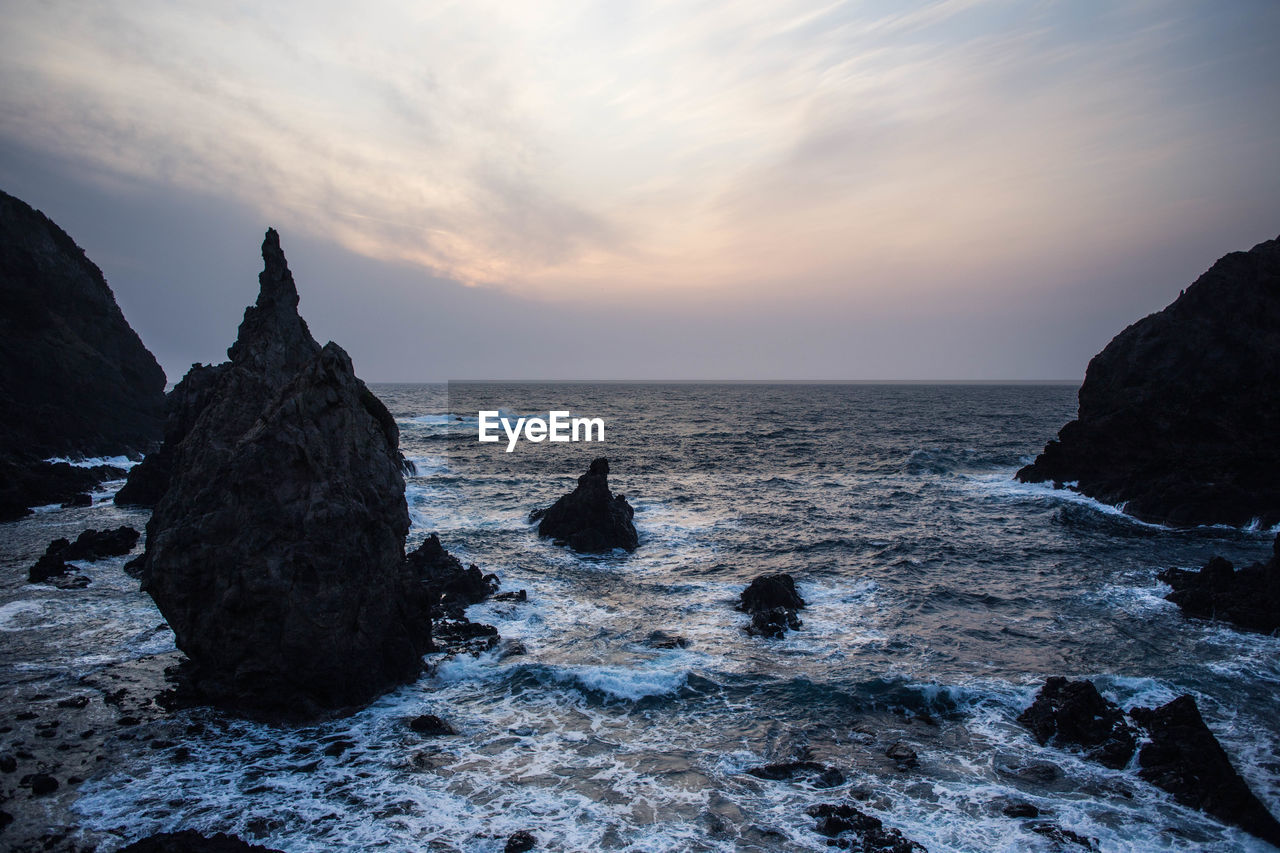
point(1180, 414)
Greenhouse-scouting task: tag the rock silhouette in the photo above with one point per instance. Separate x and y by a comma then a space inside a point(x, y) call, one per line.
point(1179, 413)
point(1074, 713)
point(276, 551)
point(772, 601)
point(75, 379)
point(1248, 598)
point(1185, 759)
point(590, 518)
point(90, 545)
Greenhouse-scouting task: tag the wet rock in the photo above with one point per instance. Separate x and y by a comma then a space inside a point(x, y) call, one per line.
point(590, 519)
point(80, 500)
point(73, 702)
point(1248, 598)
point(189, 841)
point(1185, 759)
point(662, 640)
point(1019, 809)
point(75, 380)
point(1178, 414)
point(455, 586)
point(8, 763)
point(818, 775)
point(903, 754)
point(1073, 713)
point(516, 596)
point(338, 747)
point(431, 725)
point(772, 601)
point(41, 784)
point(860, 830)
point(520, 842)
point(91, 545)
point(1038, 773)
point(276, 552)
point(1062, 835)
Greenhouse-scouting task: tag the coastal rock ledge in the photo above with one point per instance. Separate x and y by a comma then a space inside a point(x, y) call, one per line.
point(276, 547)
point(1179, 414)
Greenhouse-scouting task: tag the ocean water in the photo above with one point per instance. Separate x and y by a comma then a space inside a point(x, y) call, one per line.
point(940, 594)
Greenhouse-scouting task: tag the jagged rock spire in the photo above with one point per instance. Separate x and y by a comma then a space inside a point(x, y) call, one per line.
point(273, 337)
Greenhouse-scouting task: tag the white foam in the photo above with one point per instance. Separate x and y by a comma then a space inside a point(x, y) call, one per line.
point(94, 461)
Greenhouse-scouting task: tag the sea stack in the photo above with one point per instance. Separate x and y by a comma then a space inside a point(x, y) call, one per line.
point(590, 519)
point(1179, 414)
point(276, 549)
point(75, 379)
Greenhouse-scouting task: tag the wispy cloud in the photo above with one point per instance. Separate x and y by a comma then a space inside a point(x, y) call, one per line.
point(598, 148)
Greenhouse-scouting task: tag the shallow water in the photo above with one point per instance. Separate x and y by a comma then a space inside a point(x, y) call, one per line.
point(941, 594)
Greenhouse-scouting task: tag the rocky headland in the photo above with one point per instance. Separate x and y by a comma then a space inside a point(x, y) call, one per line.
point(590, 519)
point(75, 379)
point(1179, 414)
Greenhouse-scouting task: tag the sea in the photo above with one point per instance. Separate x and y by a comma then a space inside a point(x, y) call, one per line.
point(940, 593)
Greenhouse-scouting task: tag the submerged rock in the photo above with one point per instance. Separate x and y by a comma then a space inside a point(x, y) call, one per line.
point(276, 551)
point(1248, 598)
point(520, 841)
point(75, 379)
point(772, 601)
point(817, 774)
point(1185, 759)
point(1179, 413)
point(590, 518)
point(860, 831)
point(1074, 713)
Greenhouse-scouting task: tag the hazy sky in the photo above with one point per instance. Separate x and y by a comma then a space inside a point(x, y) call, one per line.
point(717, 189)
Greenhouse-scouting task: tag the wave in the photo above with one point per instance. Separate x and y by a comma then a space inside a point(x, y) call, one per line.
point(95, 461)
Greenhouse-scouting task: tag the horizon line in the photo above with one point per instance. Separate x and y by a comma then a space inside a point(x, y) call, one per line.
point(727, 381)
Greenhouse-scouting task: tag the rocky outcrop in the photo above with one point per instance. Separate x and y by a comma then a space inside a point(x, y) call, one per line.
point(590, 519)
point(24, 484)
point(816, 774)
point(276, 551)
point(91, 545)
point(75, 380)
point(1179, 414)
point(450, 589)
point(772, 601)
point(1248, 598)
point(1185, 759)
point(1074, 714)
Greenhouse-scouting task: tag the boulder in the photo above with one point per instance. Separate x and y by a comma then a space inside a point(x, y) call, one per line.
point(817, 774)
point(276, 550)
point(772, 601)
point(1179, 413)
point(590, 519)
point(1074, 713)
point(1185, 759)
point(75, 379)
point(1248, 598)
point(520, 841)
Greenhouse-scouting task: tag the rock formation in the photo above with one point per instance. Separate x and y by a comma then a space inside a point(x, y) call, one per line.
point(772, 601)
point(190, 841)
point(590, 518)
point(90, 545)
point(1248, 598)
point(846, 823)
point(276, 551)
point(1073, 713)
point(1185, 759)
point(1179, 413)
point(75, 380)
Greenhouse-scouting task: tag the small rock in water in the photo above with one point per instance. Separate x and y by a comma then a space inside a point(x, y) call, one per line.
point(772, 601)
point(520, 842)
point(1248, 598)
point(1019, 808)
point(819, 775)
point(868, 833)
point(590, 519)
point(190, 841)
point(42, 783)
point(1073, 713)
point(663, 640)
point(81, 499)
point(430, 724)
point(904, 755)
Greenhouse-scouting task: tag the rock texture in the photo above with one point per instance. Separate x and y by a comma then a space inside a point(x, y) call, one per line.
point(90, 545)
point(1179, 414)
point(851, 828)
point(1248, 598)
point(449, 590)
point(590, 518)
point(1185, 759)
point(772, 601)
point(75, 380)
point(276, 551)
point(190, 841)
point(1073, 713)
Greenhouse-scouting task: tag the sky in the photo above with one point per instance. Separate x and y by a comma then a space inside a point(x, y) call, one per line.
point(705, 189)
